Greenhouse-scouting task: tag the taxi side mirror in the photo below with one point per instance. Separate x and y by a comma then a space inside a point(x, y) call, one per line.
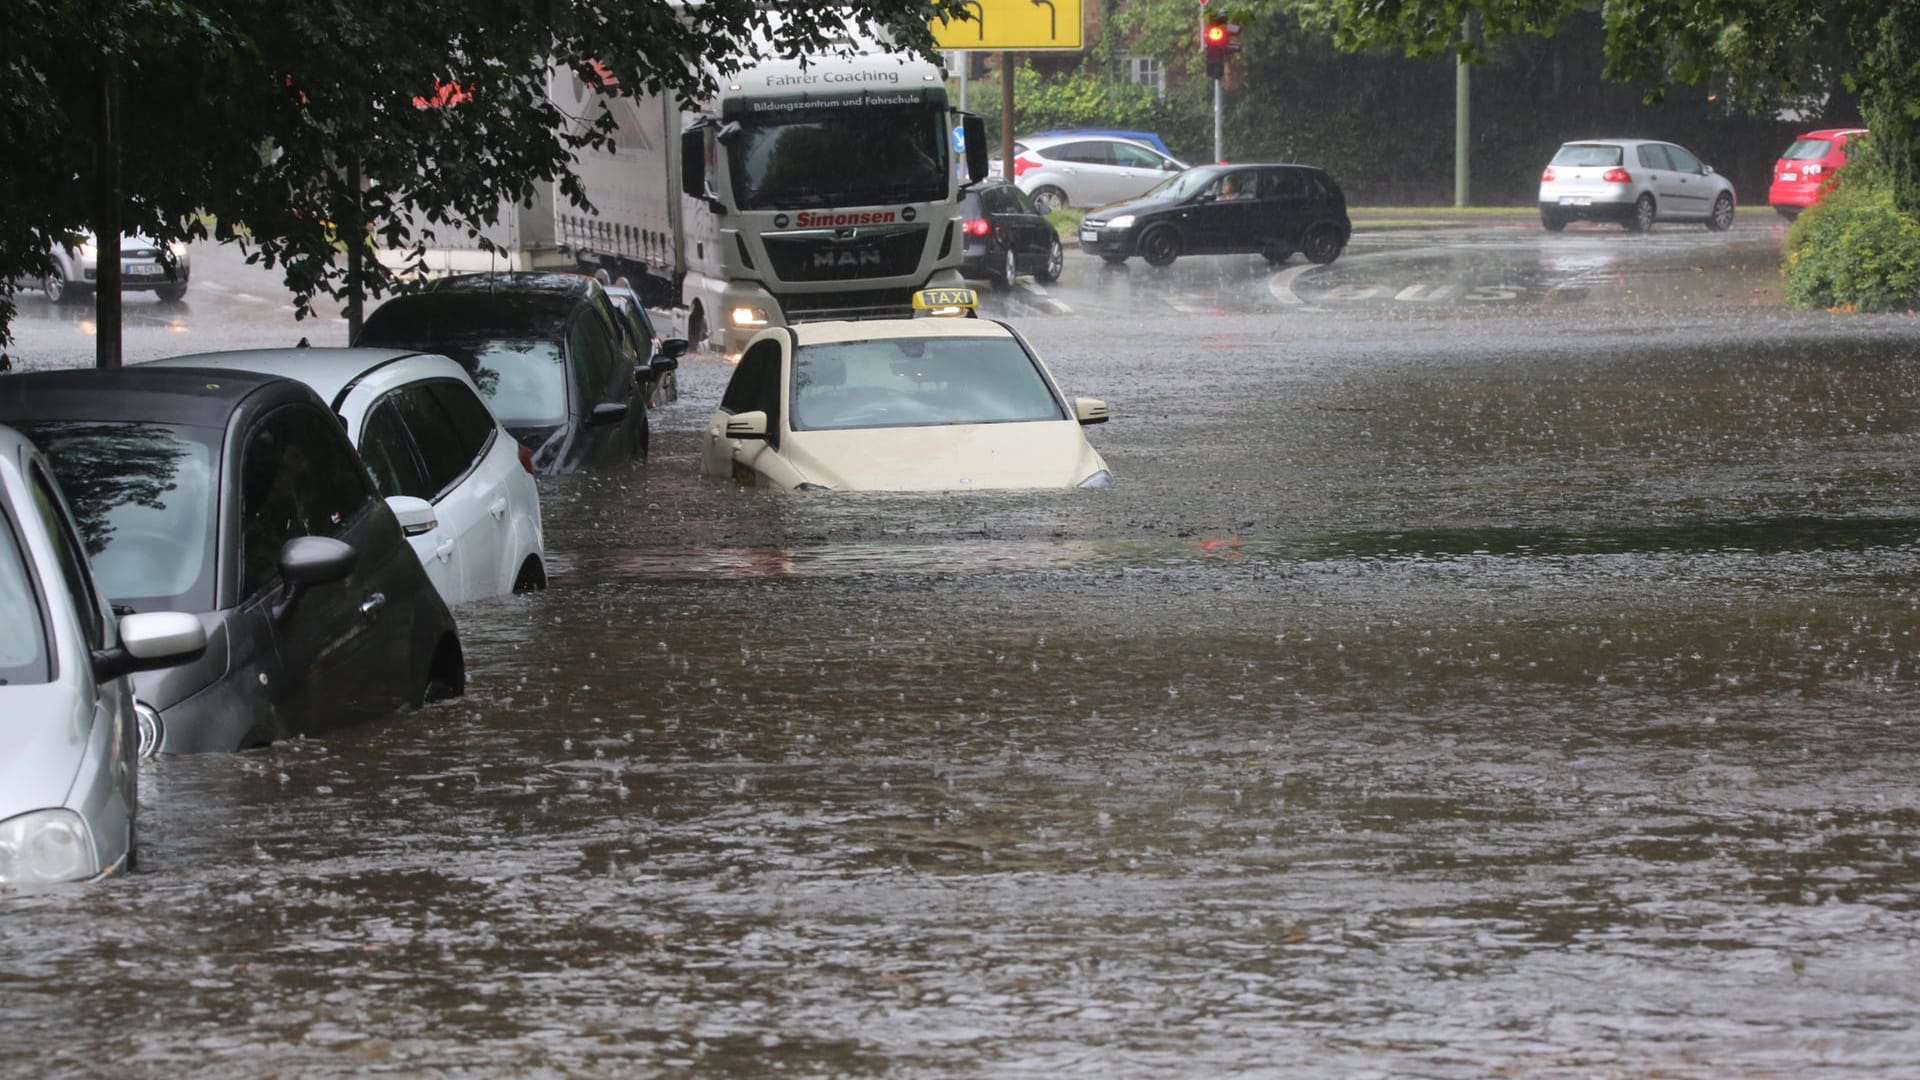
point(1089, 410)
point(747, 425)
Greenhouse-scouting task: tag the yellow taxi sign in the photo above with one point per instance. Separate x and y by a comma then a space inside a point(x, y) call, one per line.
point(946, 301)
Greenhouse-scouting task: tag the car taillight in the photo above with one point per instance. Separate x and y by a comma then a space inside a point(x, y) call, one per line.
point(1616, 176)
point(1547, 176)
point(526, 458)
point(979, 227)
point(1021, 164)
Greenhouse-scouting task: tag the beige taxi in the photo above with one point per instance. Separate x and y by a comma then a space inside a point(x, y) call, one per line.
point(921, 404)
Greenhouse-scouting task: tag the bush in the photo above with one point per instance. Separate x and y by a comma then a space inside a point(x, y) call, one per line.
point(1854, 249)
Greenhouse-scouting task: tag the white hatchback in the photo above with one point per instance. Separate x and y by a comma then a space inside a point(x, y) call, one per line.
point(1632, 182)
point(423, 430)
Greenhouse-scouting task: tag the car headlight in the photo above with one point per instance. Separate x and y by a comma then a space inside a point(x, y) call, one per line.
point(748, 316)
point(1101, 478)
point(152, 731)
point(1124, 221)
point(46, 846)
point(178, 248)
point(89, 250)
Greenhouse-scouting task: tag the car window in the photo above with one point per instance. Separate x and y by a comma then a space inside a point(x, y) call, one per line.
point(1238, 185)
point(1138, 157)
point(1021, 204)
point(1089, 152)
point(525, 380)
point(1596, 155)
point(143, 498)
point(1322, 184)
point(756, 383)
point(1283, 184)
point(1653, 156)
point(73, 560)
point(903, 382)
point(387, 448)
point(446, 452)
point(1807, 150)
point(298, 477)
point(1683, 160)
point(477, 426)
point(594, 356)
point(24, 654)
point(999, 200)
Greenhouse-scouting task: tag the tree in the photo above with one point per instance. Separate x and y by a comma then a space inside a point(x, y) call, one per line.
point(271, 122)
point(1767, 51)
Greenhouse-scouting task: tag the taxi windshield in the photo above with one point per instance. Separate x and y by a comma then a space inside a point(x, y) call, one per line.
point(915, 381)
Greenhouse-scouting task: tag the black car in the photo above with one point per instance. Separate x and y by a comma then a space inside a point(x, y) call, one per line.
point(237, 496)
point(1006, 236)
point(546, 351)
point(1270, 210)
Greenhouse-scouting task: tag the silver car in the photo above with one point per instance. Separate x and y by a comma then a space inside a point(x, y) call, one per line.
point(1086, 170)
point(145, 264)
point(68, 780)
point(1634, 183)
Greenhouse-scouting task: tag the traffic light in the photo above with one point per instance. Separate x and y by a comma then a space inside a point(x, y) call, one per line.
point(1220, 39)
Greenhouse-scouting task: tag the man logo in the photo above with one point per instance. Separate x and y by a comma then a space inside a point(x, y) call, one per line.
point(844, 259)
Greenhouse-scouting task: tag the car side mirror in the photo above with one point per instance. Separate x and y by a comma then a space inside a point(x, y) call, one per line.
point(675, 347)
point(607, 412)
point(1089, 410)
point(309, 561)
point(415, 515)
point(747, 425)
point(151, 640)
point(662, 363)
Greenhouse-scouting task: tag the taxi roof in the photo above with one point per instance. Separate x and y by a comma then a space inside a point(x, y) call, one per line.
point(819, 333)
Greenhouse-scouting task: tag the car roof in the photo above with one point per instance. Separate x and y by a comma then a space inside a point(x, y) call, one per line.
point(329, 371)
point(1150, 138)
point(195, 397)
point(821, 333)
point(518, 281)
point(1041, 142)
point(417, 318)
point(1828, 133)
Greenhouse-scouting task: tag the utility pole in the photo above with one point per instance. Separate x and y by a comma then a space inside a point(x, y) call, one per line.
point(1462, 122)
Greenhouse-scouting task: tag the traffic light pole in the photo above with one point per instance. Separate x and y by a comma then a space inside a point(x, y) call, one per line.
point(1219, 128)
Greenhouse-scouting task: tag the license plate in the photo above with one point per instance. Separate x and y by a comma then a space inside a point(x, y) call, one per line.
point(141, 270)
point(1089, 236)
point(1575, 200)
point(1788, 178)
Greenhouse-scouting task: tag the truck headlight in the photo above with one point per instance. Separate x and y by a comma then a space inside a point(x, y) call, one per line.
point(748, 316)
point(46, 846)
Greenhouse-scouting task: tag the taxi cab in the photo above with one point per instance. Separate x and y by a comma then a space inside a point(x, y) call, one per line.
point(923, 404)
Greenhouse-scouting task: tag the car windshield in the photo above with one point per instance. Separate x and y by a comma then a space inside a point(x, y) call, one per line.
point(23, 635)
point(142, 495)
point(523, 379)
point(907, 382)
point(1184, 186)
point(1587, 154)
point(1807, 150)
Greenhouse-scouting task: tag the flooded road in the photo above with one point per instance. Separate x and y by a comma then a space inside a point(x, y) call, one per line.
point(1445, 693)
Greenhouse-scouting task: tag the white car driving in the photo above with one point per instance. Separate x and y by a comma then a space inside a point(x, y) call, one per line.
point(1632, 182)
point(927, 404)
point(145, 265)
point(423, 430)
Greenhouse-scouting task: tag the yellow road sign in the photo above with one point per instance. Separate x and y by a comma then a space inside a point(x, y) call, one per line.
point(1013, 25)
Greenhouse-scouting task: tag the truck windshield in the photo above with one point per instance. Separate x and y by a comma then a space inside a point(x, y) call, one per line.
point(855, 154)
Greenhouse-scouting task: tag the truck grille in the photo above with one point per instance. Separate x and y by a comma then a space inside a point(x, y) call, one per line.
point(870, 254)
point(848, 304)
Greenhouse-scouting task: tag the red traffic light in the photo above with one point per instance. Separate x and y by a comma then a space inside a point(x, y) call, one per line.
point(1216, 34)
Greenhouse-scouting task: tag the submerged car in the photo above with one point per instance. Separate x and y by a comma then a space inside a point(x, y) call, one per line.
point(1636, 183)
point(1270, 210)
point(236, 496)
point(1807, 170)
point(660, 384)
point(69, 778)
point(924, 404)
point(419, 424)
point(548, 354)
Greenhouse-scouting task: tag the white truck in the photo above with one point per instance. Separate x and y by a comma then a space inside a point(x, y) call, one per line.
point(824, 188)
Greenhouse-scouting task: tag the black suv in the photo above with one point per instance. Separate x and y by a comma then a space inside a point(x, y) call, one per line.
point(1270, 210)
point(547, 353)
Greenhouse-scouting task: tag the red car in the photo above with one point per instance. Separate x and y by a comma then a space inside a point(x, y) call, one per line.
point(1806, 170)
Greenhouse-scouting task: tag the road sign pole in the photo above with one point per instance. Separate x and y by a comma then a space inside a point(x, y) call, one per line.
point(1006, 116)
